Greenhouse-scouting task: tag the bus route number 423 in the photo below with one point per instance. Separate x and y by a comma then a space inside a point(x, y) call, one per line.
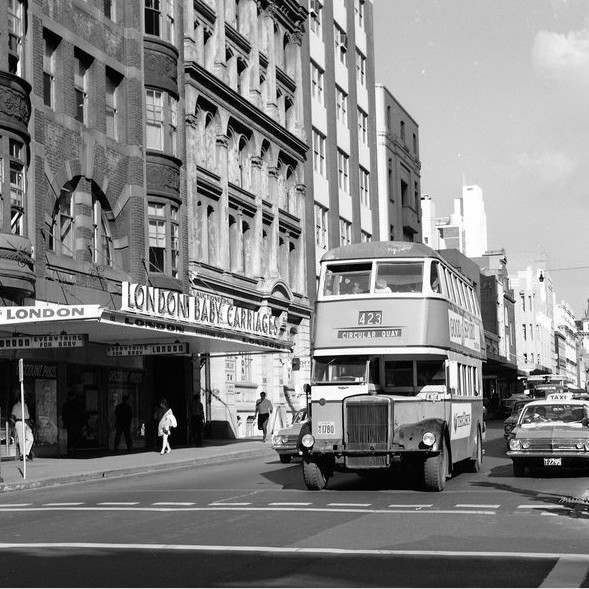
point(370, 318)
point(326, 427)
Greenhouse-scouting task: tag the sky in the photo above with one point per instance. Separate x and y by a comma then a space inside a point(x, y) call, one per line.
point(500, 91)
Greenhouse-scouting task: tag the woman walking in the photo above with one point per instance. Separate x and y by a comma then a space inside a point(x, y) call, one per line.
point(167, 422)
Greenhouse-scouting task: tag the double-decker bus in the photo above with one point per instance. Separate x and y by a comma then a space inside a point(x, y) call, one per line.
point(397, 365)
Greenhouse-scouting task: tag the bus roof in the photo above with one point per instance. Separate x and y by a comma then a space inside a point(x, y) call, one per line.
point(380, 249)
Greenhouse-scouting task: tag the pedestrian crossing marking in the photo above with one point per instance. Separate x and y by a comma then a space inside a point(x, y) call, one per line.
point(119, 503)
point(178, 503)
point(349, 504)
point(63, 504)
point(475, 506)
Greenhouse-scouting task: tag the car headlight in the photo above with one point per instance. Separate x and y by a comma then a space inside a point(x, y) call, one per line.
point(515, 444)
point(308, 441)
point(587, 445)
point(279, 440)
point(579, 445)
point(525, 444)
point(428, 438)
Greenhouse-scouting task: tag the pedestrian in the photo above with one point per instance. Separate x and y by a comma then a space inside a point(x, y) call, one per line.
point(164, 428)
point(263, 411)
point(123, 418)
point(198, 422)
point(20, 415)
point(72, 418)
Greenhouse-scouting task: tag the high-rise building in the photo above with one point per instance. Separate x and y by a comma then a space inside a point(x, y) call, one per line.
point(342, 168)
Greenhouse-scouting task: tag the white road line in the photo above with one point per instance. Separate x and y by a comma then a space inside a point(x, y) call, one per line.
point(289, 503)
point(411, 506)
point(234, 504)
point(15, 504)
point(569, 571)
point(179, 503)
point(61, 504)
point(474, 505)
point(349, 504)
point(546, 506)
point(573, 557)
point(122, 503)
point(550, 514)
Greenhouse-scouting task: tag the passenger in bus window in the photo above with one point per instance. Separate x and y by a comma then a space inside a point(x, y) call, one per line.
point(382, 286)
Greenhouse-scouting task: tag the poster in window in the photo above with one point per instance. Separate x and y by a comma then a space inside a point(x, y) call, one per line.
point(46, 411)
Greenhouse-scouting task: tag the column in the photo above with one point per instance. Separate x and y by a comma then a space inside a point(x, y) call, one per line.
point(221, 252)
point(274, 227)
point(256, 187)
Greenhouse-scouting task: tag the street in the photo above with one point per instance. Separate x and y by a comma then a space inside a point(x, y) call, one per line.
point(253, 523)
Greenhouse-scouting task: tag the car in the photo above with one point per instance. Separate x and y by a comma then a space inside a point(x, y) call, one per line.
point(286, 440)
point(510, 421)
point(506, 405)
point(552, 432)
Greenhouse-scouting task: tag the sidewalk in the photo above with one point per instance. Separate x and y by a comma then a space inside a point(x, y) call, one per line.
point(44, 472)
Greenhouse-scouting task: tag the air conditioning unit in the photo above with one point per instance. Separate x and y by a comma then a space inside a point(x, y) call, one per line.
point(343, 41)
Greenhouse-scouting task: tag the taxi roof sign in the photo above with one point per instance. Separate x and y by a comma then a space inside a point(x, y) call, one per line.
point(560, 397)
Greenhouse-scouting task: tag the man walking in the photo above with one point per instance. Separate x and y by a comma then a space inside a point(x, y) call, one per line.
point(20, 414)
point(123, 416)
point(263, 411)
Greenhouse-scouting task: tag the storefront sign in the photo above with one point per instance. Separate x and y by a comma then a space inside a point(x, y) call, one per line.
point(200, 309)
point(15, 315)
point(147, 349)
point(28, 342)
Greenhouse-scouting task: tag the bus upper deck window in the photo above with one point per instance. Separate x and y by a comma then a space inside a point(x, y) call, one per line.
point(401, 276)
point(347, 279)
point(434, 278)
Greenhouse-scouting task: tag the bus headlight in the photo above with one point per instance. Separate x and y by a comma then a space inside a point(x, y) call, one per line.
point(308, 441)
point(515, 444)
point(428, 439)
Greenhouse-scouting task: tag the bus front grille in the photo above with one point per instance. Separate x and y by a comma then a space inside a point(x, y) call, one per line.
point(367, 425)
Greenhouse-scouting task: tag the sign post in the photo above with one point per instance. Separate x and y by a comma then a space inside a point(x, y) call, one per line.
point(21, 378)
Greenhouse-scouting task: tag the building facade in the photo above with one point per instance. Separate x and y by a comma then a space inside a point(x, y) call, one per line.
point(399, 170)
point(566, 343)
point(153, 205)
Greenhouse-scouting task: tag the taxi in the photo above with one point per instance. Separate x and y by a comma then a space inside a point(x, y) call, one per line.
point(552, 432)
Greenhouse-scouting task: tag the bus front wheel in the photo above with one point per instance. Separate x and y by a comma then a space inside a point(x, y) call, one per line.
point(435, 470)
point(315, 474)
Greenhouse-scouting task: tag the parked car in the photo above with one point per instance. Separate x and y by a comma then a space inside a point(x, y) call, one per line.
point(506, 405)
point(286, 440)
point(551, 433)
point(510, 422)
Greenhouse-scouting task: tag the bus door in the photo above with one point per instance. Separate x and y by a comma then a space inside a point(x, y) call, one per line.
point(461, 422)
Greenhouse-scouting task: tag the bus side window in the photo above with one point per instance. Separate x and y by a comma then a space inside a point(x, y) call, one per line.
point(435, 278)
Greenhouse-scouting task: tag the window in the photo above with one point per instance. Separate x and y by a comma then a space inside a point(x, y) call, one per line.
point(365, 237)
point(403, 131)
point(343, 171)
point(361, 68)
point(101, 239)
point(110, 9)
point(61, 238)
point(345, 232)
point(524, 332)
point(169, 33)
point(398, 373)
point(414, 143)
point(15, 36)
point(315, 9)
point(153, 17)
point(317, 83)
point(164, 238)
point(17, 187)
point(318, 152)
point(50, 45)
point(320, 227)
point(341, 43)
point(82, 63)
point(113, 79)
point(341, 99)
point(399, 276)
point(162, 121)
point(344, 279)
point(364, 187)
point(363, 126)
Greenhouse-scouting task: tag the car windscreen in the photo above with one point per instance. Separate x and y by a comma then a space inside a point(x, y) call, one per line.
point(552, 413)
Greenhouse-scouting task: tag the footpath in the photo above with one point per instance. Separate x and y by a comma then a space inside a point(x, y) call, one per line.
point(45, 472)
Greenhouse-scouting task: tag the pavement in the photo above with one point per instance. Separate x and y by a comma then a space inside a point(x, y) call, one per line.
point(45, 472)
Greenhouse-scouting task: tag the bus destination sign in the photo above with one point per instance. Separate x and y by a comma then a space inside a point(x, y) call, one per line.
point(31, 342)
point(369, 333)
point(147, 349)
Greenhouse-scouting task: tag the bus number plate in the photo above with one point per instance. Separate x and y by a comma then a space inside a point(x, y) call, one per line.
point(326, 427)
point(370, 318)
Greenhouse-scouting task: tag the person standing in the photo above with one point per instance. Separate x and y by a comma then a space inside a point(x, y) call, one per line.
point(123, 418)
point(263, 411)
point(198, 422)
point(164, 428)
point(20, 415)
point(72, 417)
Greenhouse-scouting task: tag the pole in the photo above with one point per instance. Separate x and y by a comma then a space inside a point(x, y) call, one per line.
point(21, 378)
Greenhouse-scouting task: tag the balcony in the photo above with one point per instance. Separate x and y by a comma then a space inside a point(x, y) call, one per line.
point(410, 219)
point(15, 104)
point(16, 265)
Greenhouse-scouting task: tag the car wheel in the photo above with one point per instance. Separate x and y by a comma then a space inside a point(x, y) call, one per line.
point(519, 468)
point(285, 458)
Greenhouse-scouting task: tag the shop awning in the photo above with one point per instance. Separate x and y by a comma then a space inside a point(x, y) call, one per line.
point(106, 326)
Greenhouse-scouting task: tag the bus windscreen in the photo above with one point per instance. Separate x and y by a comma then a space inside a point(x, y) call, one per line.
point(340, 369)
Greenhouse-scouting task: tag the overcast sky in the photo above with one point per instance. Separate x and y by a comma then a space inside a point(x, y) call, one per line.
point(500, 90)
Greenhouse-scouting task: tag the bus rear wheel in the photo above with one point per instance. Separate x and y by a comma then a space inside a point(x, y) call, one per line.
point(314, 474)
point(435, 470)
point(475, 464)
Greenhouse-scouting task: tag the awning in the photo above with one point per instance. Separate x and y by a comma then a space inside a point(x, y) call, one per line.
point(107, 326)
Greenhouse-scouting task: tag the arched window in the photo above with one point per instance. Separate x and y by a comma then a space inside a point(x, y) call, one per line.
point(211, 233)
point(61, 236)
point(242, 85)
point(247, 248)
point(101, 238)
point(234, 253)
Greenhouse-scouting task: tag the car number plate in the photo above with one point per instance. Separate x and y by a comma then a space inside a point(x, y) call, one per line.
point(326, 427)
point(552, 461)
